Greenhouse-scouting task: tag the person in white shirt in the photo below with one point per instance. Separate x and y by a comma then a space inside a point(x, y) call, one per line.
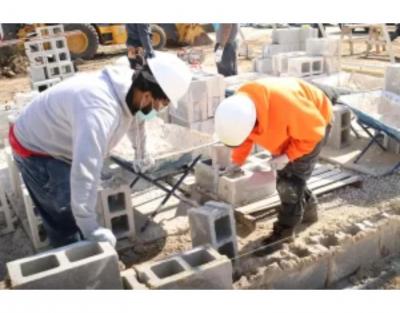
point(61, 139)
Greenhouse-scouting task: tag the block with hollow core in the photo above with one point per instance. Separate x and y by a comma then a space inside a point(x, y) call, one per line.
point(82, 265)
point(37, 234)
point(114, 206)
point(214, 224)
point(339, 136)
point(255, 183)
point(200, 268)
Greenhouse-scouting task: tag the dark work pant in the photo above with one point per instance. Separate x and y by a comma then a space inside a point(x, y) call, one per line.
point(48, 183)
point(228, 64)
point(292, 188)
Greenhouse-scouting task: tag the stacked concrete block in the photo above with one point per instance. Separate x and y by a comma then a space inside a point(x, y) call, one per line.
point(83, 265)
point(254, 183)
point(114, 208)
point(263, 65)
point(357, 248)
point(49, 57)
point(329, 49)
point(323, 46)
point(199, 268)
point(205, 93)
point(305, 34)
point(13, 172)
point(339, 136)
point(37, 234)
point(391, 144)
point(305, 66)
point(6, 222)
point(220, 155)
point(272, 49)
point(392, 78)
point(206, 175)
point(280, 61)
point(214, 224)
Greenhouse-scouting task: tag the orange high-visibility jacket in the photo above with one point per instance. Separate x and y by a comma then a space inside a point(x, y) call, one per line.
point(292, 116)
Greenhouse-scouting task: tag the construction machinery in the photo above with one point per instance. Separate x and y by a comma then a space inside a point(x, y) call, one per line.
point(85, 39)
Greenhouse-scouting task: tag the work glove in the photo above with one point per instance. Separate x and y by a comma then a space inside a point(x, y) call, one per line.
point(143, 165)
point(103, 234)
point(218, 55)
point(278, 163)
point(232, 169)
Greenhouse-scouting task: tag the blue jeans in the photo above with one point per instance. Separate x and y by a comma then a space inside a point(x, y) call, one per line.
point(48, 183)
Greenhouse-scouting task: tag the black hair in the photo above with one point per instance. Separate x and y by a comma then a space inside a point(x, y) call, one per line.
point(144, 80)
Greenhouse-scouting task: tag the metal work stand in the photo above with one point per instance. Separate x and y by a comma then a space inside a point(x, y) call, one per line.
point(374, 139)
point(155, 179)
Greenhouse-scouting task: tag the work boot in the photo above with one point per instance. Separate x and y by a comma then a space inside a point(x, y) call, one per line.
point(310, 215)
point(279, 236)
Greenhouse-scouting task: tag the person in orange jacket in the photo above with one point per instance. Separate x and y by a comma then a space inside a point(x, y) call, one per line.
point(291, 119)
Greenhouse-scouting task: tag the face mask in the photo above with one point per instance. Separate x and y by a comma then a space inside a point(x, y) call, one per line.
point(149, 113)
point(147, 117)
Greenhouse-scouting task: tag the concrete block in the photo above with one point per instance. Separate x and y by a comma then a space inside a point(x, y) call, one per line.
point(50, 31)
point(115, 206)
point(255, 183)
point(13, 172)
point(308, 273)
point(391, 144)
point(264, 65)
point(392, 78)
point(37, 234)
point(60, 69)
point(299, 67)
point(82, 265)
point(38, 73)
point(45, 84)
point(331, 65)
point(130, 280)
point(389, 229)
point(199, 268)
point(272, 49)
point(193, 106)
point(339, 136)
point(214, 224)
point(305, 66)
point(206, 175)
point(305, 33)
point(286, 36)
point(6, 222)
point(221, 155)
point(361, 250)
point(280, 60)
point(206, 126)
point(323, 46)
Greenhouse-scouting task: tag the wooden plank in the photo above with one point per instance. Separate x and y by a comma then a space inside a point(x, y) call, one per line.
point(270, 212)
point(328, 177)
point(274, 200)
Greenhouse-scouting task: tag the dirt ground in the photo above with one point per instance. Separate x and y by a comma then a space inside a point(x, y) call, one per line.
point(343, 206)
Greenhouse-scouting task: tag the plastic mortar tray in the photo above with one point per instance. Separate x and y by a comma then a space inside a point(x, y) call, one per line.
point(345, 82)
point(379, 109)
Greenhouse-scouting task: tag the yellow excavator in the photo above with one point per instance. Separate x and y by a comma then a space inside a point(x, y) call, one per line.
point(85, 39)
point(85, 43)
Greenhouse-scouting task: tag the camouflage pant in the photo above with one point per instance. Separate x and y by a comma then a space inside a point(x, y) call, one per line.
point(292, 188)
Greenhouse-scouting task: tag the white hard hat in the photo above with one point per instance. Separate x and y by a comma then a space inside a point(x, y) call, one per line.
point(172, 74)
point(235, 118)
